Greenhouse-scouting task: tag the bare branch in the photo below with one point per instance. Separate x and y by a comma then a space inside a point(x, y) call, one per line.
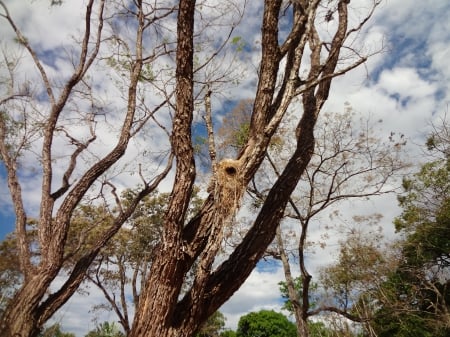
point(338, 311)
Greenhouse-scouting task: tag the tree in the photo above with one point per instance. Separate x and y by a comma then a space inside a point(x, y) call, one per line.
point(129, 254)
point(351, 285)
point(415, 298)
point(123, 264)
point(160, 68)
point(354, 163)
point(318, 329)
point(121, 267)
point(265, 323)
point(234, 130)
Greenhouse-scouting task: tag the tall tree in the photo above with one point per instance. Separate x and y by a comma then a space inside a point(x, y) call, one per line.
point(350, 161)
point(415, 298)
point(165, 60)
point(352, 283)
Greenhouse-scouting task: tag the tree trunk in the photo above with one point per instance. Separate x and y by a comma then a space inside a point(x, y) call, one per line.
point(20, 317)
point(161, 312)
point(301, 323)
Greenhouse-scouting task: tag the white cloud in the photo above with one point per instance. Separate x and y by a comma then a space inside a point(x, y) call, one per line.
point(406, 83)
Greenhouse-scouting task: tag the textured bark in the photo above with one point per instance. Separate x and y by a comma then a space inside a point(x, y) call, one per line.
point(162, 309)
point(31, 307)
point(297, 306)
point(157, 302)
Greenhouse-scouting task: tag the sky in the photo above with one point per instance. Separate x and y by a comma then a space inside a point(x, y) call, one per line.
point(406, 86)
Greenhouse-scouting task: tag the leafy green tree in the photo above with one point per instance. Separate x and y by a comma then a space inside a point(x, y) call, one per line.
point(265, 323)
point(11, 275)
point(350, 285)
point(426, 216)
point(122, 266)
point(234, 130)
point(228, 333)
point(415, 300)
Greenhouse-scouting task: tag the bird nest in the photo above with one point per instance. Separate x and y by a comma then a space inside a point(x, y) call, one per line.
point(229, 185)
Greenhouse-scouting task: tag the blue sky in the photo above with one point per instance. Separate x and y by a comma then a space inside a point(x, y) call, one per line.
point(407, 86)
point(6, 214)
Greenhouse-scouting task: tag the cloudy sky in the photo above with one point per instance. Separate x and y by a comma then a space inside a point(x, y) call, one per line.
point(406, 86)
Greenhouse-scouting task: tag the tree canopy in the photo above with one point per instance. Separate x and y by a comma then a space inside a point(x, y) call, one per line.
point(414, 301)
point(265, 323)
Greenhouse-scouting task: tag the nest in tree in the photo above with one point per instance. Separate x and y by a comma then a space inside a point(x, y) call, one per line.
point(229, 186)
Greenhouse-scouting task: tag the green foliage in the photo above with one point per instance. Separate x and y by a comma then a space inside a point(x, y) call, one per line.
point(238, 43)
point(10, 269)
point(200, 144)
point(392, 323)
point(318, 329)
point(235, 128)
point(213, 326)
point(425, 219)
point(15, 134)
point(134, 241)
point(298, 287)
point(415, 298)
point(430, 143)
point(131, 251)
point(106, 329)
point(10, 274)
point(265, 323)
point(241, 135)
point(361, 265)
point(228, 333)
point(147, 74)
point(55, 331)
